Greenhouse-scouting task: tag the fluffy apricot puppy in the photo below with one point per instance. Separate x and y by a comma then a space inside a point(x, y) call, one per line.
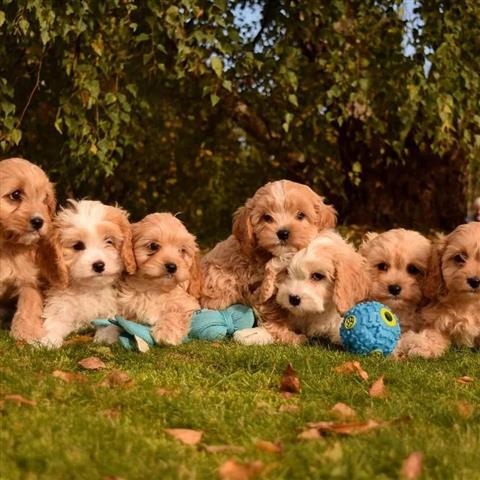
point(398, 262)
point(96, 247)
point(321, 283)
point(452, 314)
point(165, 289)
point(27, 203)
point(281, 218)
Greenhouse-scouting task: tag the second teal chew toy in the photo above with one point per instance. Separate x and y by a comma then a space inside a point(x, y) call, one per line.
point(370, 327)
point(206, 325)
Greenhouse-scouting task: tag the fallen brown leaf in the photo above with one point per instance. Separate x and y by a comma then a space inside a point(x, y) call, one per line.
point(165, 392)
point(112, 413)
point(342, 410)
point(116, 378)
point(269, 447)
point(465, 380)
point(309, 434)
point(412, 466)
point(290, 382)
point(69, 376)
point(20, 399)
point(185, 435)
point(92, 363)
point(352, 367)
point(378, 389)
point(465, 409)
point(353, 428)
point(79, 339)
point(223, 449)
point(233, 470)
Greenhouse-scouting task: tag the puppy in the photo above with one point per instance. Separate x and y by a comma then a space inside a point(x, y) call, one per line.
point(452, 314)
point(321, 283)
point(96, 245)
point(27, 204)
point(398, 261)
point(165, 289)
point(281, 218)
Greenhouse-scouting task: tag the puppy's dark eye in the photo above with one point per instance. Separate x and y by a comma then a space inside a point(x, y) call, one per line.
point(267, 218)
point(316, 277)
point(383, 267)
point(153, 247)
point(16, 195)
point(413, 269)
point(79, 246)
point(183, 251)
point(460, 259)
point(109, 241)
point(300, 216)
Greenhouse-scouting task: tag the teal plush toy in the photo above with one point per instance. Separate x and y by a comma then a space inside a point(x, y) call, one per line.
point(205, 325)
point(370, 327)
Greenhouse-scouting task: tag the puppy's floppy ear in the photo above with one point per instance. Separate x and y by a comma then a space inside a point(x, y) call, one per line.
point(434, 284)
point(51, 200)
point(51, 262)
point(352, 280)
point(195, 283)
point(120, 217)
point(368, 237)
point(243, 229)
point(326, 214)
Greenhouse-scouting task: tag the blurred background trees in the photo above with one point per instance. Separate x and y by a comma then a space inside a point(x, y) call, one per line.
point(191, 105)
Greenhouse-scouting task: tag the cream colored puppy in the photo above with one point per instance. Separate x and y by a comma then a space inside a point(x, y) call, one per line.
point(322, 281)
point(96, 247)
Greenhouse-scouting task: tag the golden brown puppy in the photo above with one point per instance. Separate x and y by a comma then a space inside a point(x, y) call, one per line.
point(27, 203)
point(165, 289)
point(280, 219)
point(453, 288)
point(398, 262)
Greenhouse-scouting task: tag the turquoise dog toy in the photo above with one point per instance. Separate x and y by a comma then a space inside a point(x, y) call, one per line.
point(370, 327)
point(205, 325)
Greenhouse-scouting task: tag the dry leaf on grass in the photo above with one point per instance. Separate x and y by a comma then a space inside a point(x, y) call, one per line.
point(112, 413)
point(412, 466)
point(290, 382)
point(165, 392)
point(269, 447)
point(223, 449)
point(378, 389)
point(92, 363)
point(309, 434)
point(233, 470)
point(352, 367)
point(79, 339)
point(465, 380)
point(342, 410)
point(116, 378)
point(465, 409)
point(69, 376)
point(185, 435)
point(352, 428)
point(20, 399)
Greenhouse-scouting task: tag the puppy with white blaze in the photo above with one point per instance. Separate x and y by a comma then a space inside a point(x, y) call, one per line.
point(321, 283)
point(95, 245)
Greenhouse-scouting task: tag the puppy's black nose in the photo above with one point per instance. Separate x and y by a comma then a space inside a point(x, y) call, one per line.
point(36, 222)
point(294, 300)
point(283, 234)
point(394, 289)
point(170, 267)
point(474, 282)
point(98, 267)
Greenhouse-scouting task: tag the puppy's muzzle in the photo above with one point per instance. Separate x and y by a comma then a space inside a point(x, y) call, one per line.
point(98, 267)
point(395, 289)
point(171, 268)
point(36, 222)
point(474, 282)
point(294, 300)
point(283, 234)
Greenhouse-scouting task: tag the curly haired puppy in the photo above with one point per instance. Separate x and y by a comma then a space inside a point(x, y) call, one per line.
point(281, 218)
point(398, 262)
point(321, 283)
point(453, 289)
point(164, 291)
point(96, 247)
point(27, 203)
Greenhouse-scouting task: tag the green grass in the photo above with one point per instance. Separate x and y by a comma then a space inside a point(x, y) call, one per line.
point(231, 393)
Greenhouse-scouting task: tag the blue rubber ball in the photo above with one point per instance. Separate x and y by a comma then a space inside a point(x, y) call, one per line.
point(370, 327)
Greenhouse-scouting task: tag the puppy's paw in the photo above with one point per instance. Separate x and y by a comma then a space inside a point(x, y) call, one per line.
point(167, 337)
point(108, 335)
point(30, 332)
point(253, 336)
point(425, 344)
point(49, 341)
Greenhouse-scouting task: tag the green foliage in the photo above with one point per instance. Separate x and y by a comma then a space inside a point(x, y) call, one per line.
point(180, 106)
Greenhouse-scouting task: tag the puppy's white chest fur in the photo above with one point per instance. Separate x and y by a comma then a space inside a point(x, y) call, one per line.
point(325, 324)
point(142, 307)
